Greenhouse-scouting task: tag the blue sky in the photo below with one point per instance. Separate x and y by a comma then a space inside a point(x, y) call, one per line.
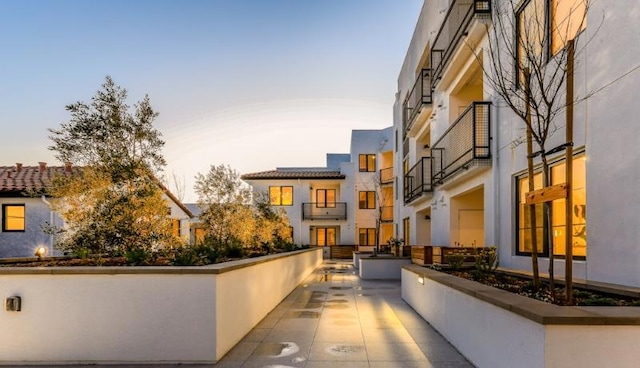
point(254, 84)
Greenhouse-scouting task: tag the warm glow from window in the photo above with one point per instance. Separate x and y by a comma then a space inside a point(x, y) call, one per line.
point(175, 227)
point(13, 217)
point(530, 37)
point(367, 200)
point(326, 236)
point(199, 235)
point(568, 18)
point(325, 198)
point(281, 196)
point(367, 236)
point(367, 162)
point(558, 223)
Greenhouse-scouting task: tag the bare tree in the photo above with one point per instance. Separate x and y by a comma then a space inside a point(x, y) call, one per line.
point(534, 88)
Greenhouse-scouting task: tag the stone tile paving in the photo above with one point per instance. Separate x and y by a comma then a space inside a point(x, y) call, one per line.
point(335, 319)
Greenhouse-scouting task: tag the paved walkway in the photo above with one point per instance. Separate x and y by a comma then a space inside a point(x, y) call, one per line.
point(335, 319)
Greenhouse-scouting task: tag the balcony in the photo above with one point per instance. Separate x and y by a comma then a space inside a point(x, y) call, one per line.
point(328, 211)
point(386, 175)
point(454, 28)
point(465, 144)
point(417, 180)
point(419, 96)
point(386, 214)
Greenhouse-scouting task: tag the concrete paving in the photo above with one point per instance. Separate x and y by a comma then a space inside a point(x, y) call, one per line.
point(335, 319)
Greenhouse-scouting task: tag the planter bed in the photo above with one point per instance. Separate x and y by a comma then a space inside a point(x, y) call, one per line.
point(495, 328)
point(382, 267)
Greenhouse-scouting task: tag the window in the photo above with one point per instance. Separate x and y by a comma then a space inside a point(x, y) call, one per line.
point(325, 198)
point(13, 217)
point(558, 218)
point(367, 162)
point(325, 236)
point(175, 227)
point(568, 18)
point(406, 230)
point(367, 236)
point(281, 196)
point(367, 200)
point(198, 235)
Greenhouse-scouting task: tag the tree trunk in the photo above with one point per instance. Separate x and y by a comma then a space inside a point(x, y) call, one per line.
point(546, 231)
point(532, 207)
point(568, 267)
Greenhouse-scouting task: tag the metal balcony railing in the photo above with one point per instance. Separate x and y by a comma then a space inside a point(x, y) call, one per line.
point(464, 144)
point(419, 96)
point(454, 27)
point(386, 213)
point(386, 175)
point(418, 179)
point(324, 211)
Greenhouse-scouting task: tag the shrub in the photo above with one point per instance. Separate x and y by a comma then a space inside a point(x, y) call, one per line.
point(487, 259)
point(455, 260)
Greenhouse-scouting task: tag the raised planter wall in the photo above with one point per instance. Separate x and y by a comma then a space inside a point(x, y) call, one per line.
point(382, 267)
point(494, 328)
point(109, 315)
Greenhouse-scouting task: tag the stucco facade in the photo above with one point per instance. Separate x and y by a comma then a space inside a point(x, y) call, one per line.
point(477, 203)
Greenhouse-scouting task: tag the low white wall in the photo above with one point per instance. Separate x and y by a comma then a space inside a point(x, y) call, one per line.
point(489, 334)
point(382, 267)
point(358, 255)
point(142, 314)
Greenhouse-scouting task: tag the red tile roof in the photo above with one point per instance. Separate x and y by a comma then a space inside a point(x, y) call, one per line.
point(14, 180)
point(293, 174)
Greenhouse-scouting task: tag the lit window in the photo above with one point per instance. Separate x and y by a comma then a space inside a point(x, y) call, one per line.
point(325, 198)
point(530, 36)
point(367, 236)
point(568, 18)
point(13, 217)
point(406, 230)
point(367, 162)
point(558, 217)
point(326, 236)
point(281, 196)
point(199, 235)
point(367, 200)
point(175, 227)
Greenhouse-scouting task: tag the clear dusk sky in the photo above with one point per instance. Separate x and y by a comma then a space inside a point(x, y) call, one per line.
point(255, 84)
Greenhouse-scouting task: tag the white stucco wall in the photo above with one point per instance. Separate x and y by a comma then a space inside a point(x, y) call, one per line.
point(143, 314)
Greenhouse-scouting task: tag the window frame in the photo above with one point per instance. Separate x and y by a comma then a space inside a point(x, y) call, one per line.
point(279, 202)
point(367, 162)
point(326, 232)
point(326, 203)
point(368, 232)
point(369, 203)
point(545, 243)
point(5, 217)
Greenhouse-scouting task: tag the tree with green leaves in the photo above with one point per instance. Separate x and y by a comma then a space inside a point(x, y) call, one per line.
point(114, 204)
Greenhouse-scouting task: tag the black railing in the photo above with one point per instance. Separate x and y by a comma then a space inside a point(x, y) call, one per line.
point(386, 175)
point(454, 27)
point(386, 213)
point(324, 211)
point(418, 179)
point(419, 95)
point(464, 144)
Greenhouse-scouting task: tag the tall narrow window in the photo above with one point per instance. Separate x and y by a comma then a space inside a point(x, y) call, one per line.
point(558, 217)
point(13, 217)
point(367, 162)
point(325, 198)
point(175, 227)
point(281, 196)
point(568, 18)
point(406, 230)
point(530, 37)
point(367, 236)
point(367, 200)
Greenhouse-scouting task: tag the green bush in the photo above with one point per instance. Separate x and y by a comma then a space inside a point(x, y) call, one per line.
point(455, 260)
point(138, 256)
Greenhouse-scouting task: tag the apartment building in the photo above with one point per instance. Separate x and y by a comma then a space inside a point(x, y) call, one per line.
point(462, 151)
point(347, 202)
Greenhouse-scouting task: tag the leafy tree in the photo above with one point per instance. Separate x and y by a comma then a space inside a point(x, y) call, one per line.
point(114, 203)
point(230, 218)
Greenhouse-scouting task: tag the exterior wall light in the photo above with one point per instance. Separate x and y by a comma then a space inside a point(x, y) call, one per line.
point(40, 252)
point(421, 280)
point(13, 304)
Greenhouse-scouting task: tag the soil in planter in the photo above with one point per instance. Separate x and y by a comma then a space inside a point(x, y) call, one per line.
point(524, 286)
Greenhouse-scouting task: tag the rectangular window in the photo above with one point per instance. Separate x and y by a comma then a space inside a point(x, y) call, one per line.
point(367, 162)
point(406, 230)
point(281, 196)
point(13, 217)
point(326, 236)
point(568, 18)
point(367, 200)
point(558, 217)
point(325, 198)
point(530, 36)
point(175, 227)
point(367, 236)
point(198, 235)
